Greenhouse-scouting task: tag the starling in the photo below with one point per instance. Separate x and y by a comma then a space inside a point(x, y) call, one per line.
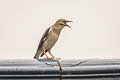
point(49, 38)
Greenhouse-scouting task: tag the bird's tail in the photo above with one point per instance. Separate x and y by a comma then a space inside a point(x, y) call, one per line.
point(38, 54)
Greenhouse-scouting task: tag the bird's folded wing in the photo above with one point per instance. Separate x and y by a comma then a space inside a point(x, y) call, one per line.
point(44, 37)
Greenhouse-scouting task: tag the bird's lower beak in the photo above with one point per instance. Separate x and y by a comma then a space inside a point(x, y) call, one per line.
point(67, 24)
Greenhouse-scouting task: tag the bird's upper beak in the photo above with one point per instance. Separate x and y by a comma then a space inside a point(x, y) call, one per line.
point(67, 24)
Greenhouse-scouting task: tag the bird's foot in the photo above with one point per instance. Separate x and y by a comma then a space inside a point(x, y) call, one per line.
point(46, 63)
point(50, 58)
point(58, 58)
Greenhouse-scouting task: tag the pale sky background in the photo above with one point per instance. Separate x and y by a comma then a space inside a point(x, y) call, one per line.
point(95, 31)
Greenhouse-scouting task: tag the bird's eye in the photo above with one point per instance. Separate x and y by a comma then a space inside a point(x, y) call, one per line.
point(64, 22)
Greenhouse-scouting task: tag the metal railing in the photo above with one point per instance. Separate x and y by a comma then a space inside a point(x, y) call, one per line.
point(31, 69)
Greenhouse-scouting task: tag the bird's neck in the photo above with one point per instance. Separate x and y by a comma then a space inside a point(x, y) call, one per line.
point(57, 29)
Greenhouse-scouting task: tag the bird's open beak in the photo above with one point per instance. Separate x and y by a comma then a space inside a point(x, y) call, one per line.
point(67, 24)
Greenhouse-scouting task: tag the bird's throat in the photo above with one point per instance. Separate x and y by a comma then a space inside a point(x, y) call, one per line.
point(57, 30)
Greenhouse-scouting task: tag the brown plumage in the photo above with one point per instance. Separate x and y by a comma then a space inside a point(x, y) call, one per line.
point(49, 38)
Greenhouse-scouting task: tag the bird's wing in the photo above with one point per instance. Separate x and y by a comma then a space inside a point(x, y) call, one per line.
point(44, 37)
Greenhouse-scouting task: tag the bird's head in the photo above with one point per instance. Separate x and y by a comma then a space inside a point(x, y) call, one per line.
point(62, 23)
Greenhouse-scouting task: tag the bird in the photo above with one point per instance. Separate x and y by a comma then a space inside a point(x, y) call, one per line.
point(49, 38)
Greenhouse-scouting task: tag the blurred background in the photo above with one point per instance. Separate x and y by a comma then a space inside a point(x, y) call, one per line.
point(95, 29)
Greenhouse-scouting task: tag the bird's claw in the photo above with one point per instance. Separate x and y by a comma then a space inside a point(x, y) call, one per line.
point(46, 63)
point(58, 58)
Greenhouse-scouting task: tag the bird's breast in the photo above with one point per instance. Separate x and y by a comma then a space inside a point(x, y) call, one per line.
point(53, 37)
point(51, 40)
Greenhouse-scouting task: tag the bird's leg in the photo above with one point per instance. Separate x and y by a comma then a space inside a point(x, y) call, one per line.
point(45, 54)
point(51, 54)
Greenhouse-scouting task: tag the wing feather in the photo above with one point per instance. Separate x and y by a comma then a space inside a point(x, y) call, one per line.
point(43, 38)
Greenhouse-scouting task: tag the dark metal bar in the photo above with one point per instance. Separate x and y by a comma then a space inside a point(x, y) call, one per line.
point(73, 69)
